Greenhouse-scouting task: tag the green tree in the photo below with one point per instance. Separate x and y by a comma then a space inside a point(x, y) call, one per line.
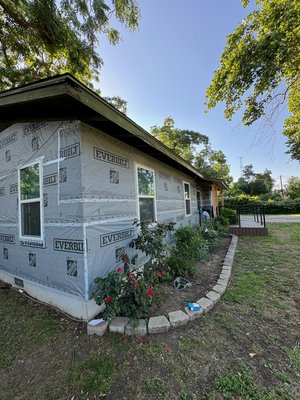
point(182, 141)
point(118, 103)
point(213, 164)
point(39, 38)
point(255, 184)
point(259, 67)
point(293, 188)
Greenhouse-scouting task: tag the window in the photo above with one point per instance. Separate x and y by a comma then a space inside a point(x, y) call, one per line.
point(30, 200)
point(187, 198)
point(146, 193)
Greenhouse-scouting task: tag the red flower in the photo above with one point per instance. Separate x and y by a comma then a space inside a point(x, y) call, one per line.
point(159, 274)
point(136, 285)
point(150, 292)
point(119, 269)
point(131, 275)
point(108, 299)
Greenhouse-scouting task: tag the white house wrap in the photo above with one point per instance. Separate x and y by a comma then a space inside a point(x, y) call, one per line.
point(71, 188)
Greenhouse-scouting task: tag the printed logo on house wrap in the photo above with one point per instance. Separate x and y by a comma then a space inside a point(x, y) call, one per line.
point(70, 151)
point(33, 243)
point(30, 128)
point(73, 246)
point(113, 237)
point(8, 140)
point(13, 188)
point(51, 179)
point(110, 158)
point(4, 238)
point(2, 191)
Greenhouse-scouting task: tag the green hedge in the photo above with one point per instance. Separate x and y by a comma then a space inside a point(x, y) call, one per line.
point(271, 206)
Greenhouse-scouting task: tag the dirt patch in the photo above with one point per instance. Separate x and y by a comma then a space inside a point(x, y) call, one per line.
point(207, 274)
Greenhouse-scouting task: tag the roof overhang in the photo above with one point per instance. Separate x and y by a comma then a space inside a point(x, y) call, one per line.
point(63, 97)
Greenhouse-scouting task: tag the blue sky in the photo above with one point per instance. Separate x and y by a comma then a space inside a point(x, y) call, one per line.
point(164, 68)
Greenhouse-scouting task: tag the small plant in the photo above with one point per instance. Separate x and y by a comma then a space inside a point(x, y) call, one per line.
point(189, 247)
point(220, 225)
point(126, 293)
point(210, 234)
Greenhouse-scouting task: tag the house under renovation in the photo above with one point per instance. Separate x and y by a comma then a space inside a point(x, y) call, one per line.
point(74, 175)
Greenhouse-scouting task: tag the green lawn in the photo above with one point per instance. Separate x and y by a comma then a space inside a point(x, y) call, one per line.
point(246, 348)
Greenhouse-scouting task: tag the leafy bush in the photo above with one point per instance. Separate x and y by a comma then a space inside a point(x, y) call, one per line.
point(247, 203)
point(151, 240)
point(210, 234)
point(127, 294)
point(189, 247)
point(229, 214)
point(221, 225)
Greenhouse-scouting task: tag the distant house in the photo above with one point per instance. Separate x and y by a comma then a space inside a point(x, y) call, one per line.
point(74, 174)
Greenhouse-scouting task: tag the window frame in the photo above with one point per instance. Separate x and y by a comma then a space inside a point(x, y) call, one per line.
point(140, 166)
point(30, 201)
point(187, 199)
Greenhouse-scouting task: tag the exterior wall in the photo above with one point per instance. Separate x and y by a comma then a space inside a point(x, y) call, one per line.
point(56, 260)
point(111, 198)
point(90, 200)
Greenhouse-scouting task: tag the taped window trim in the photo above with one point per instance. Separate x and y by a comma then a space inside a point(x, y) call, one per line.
point(39, 200)
point(187, 198)
point(141, 196)
point(107, 200)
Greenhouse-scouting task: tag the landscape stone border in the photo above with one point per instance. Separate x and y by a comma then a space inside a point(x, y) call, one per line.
point(163, 323)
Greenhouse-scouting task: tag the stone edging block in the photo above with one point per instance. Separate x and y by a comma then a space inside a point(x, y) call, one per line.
point(214, 296)
point(178, 318)
point(118, 324)
point(136, 327)
point(158, 324)
point(206, 304)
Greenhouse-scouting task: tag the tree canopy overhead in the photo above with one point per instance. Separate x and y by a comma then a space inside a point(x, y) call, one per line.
point(260, 67)
point(39, 38)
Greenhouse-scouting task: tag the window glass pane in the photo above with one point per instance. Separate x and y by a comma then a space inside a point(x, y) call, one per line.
point(30, 182)
point(31, 219)
point(147, 209)
point(187, 206)
point(186, 191)
point(146, 182)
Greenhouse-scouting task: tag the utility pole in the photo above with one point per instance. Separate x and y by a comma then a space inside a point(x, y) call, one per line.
point(241, 165)
point(281, 187)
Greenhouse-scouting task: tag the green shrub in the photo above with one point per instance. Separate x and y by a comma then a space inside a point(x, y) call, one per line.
point(221, 225)
point(151, 240)
point(128, 294)
point(229, 214)
point(271, 206)
point(189, 247)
